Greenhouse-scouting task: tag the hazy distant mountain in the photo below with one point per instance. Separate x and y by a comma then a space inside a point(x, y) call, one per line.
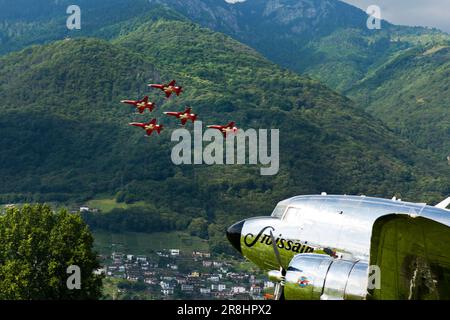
point(400, 74)
point(27, 22)
point(327, 39)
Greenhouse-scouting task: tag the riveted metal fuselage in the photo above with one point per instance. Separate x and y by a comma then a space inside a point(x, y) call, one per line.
point(338, 226)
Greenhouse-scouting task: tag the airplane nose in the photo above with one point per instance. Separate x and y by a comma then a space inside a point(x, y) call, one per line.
point(234, 235)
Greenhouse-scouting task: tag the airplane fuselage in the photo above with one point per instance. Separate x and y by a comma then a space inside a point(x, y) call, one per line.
point(229, 130)
point(170, 89)
point(141, 105)
point(338, 226)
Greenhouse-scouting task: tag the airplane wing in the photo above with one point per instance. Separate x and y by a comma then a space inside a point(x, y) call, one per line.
point(188, 110)
point(413, 255)
point(183, 121)
point(149, 132)
point(168, 94)
point(145, 99)
point(172, 83)
point(153, 121)
point(231, 124)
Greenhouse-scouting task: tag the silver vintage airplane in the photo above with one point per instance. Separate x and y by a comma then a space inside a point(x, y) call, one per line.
point(350, 247)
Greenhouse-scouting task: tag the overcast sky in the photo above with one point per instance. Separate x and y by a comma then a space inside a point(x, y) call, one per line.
point(429, 13)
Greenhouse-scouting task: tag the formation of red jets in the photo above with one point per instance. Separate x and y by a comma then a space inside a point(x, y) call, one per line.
point(183, 116)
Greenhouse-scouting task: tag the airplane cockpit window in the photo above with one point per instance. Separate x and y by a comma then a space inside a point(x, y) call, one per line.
point(294, 269)
point(278, 211)
point(292, 216)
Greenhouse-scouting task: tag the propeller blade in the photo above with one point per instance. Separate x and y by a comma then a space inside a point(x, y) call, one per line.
point(275, 249)
point(279, 287)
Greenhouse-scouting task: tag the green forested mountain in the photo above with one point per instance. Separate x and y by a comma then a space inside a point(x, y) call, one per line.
point(410, 93)
point(67, 137)
point(325, 39)
point(399, 74)
point(27, 22)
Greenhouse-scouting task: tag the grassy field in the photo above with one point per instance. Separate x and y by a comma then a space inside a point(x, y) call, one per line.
point(103, 204)
point(106, 205)
point(143, 243)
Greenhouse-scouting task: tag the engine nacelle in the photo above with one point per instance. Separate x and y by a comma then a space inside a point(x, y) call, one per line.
point(315, 276)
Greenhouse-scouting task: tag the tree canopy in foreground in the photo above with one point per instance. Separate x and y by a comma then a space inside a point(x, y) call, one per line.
point(37, 246)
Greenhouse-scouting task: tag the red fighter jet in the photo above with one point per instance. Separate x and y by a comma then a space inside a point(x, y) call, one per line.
point(168, 88)
point(141, 105)
point(149, 127)
point(229, 128)
point(184, 116)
